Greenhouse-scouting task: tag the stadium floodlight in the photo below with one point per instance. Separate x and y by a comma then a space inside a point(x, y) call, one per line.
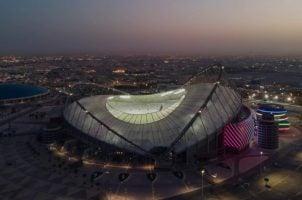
point(179, 91)
point(166, 93)
point(125, 96)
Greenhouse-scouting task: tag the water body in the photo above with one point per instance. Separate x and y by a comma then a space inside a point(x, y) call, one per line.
point(13, 91)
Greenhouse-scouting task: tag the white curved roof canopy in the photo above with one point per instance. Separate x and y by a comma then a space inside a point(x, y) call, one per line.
point(155, 120)
point(143, 109)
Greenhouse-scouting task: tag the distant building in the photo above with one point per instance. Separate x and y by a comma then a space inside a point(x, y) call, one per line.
point(14, 93)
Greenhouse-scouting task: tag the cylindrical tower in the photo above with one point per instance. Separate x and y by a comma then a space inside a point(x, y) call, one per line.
point(268, 134)
point(268, 125)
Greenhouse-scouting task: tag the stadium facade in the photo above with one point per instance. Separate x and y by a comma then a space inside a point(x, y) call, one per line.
point(240, 134)
point(185, 125)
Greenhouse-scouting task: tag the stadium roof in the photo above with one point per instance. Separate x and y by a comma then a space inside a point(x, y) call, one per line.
point(139, 123)
point(143, 109)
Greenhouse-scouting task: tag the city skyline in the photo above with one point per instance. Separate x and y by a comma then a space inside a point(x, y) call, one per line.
point(150, 100)
point(161, 27)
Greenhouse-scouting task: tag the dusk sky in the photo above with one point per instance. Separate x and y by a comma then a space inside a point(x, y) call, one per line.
point(205, 27)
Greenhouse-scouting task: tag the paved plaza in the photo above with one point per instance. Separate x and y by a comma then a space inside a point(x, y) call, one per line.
point(28, 171)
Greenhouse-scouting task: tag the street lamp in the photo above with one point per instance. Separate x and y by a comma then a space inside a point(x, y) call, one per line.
point(261, 153)
point(202, 173)
point(289, 99)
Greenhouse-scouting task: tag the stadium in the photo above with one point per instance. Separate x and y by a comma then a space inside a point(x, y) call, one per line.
point(184, 125)
point(16, 93)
